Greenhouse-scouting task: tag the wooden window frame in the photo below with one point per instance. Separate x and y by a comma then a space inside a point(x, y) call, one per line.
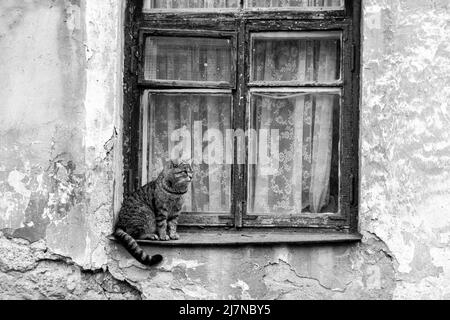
point(295, 83)
point(238, 25)
point(143, 32)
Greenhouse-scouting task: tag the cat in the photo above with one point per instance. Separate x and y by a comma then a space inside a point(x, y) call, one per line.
point(151, 212)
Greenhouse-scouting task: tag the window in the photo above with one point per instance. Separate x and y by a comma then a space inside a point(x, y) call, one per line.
point(262, 95)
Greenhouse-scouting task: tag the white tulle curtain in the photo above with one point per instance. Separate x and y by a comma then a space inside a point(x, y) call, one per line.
point(185, 4)
point(195, 113)
point(304, 119)
point(295, 3)
point(188, 58)
point(305, 124)
point(300, 180)
point(179, 4)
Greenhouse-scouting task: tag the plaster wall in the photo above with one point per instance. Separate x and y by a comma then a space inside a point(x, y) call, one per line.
point(60, 172)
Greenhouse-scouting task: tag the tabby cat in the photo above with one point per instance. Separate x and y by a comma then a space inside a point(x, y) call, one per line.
point(151, 212)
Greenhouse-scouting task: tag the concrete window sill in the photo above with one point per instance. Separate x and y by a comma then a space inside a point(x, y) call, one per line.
point(239, 238)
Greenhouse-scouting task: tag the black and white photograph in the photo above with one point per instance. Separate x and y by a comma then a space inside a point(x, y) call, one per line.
point(243, 151)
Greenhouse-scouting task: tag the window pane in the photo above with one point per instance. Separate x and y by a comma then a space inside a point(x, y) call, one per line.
point(191, 126)
point(188, 59)
point(294, 169)
point(189, 4)
point(297, 4)
point(296, 56)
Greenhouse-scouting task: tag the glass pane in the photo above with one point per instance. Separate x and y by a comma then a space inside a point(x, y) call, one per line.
point(188, 59)
point(192, 127)
point(293, 157)
point(297, 4)
point(295, 56)
point(189, 4)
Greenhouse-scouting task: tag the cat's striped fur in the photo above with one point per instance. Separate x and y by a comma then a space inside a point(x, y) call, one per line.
point(151, 212)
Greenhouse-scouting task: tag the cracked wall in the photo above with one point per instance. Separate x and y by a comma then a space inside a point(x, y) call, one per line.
point(60, 172)
point(405, 140)
point(61, 69)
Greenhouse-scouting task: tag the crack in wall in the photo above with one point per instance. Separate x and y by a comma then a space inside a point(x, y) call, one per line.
point(299, 276)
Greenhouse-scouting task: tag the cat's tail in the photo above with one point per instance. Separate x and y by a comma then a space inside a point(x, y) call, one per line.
point(135, 250)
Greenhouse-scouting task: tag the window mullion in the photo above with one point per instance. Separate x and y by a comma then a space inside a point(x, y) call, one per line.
point(239, 169)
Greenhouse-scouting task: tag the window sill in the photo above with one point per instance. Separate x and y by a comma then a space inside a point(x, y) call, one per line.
point(237, 238)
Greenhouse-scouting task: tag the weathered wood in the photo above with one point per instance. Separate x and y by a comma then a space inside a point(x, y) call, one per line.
point(205, 219)
point(331, 221)
point(349, 118)
point(223, 15)
point(239, 183)
point(184, 84)
point(306, 90)
point(190, 91)
point(277, 25)
point(143, 31)
point(131, 96)
point(354, 8)
point(247, 237)
point(336, 84)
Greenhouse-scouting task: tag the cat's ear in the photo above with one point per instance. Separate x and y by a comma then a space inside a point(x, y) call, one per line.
point(169, 164)
point(189, 162)
point(174, 162)
point(185, 161)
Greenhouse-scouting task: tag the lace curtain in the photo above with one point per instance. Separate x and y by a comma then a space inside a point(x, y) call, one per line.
point(306, 175)
point(188, 59)
point(299, 180)
point(295, 3)
point(173, 119)
point(185, 4)
point(307, 123)
point(305, 57)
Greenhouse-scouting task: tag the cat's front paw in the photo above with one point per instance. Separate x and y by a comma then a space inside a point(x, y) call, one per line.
point(174, 236)
point(164, 237)
point(152, 237)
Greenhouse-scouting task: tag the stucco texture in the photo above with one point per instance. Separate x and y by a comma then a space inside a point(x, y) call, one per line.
point(60, 169)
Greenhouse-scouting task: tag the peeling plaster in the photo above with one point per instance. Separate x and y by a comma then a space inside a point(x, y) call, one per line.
point(405, 154)
point(31, 271)
point(186, 264)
